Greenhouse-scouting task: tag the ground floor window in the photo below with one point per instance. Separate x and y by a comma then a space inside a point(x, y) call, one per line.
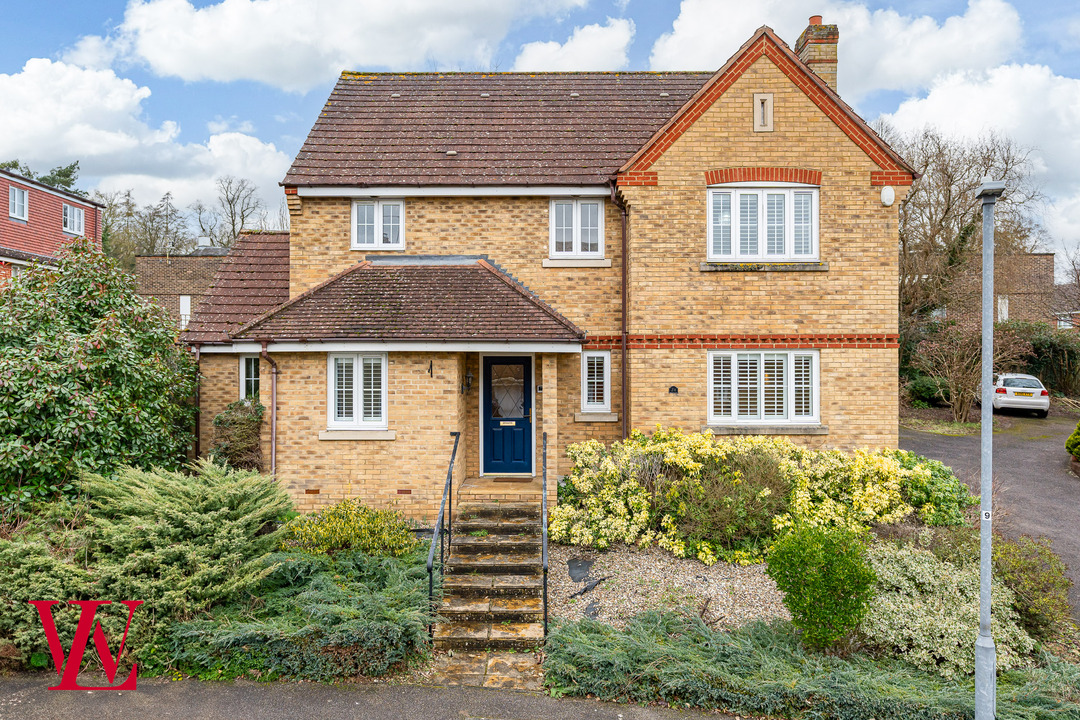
point(356, 395)
point(249, 377)
point(767, 387)
point(596, 381)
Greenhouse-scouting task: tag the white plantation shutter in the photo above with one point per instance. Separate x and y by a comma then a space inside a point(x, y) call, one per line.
point(721, 223)
point(748, 224)
point(595, 381)
point(774, 224)
point(721, 379)
point(344, 391)
point(763, 387)
point(804, 386)
point(747, 384)
point(774, 386)
point(804, 223)
point(372, 389)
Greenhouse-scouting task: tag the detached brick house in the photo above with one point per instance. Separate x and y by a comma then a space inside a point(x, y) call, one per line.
point(505, 255)
point(36, 219)
point(179, 282)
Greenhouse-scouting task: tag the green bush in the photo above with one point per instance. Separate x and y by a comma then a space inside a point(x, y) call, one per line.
point(826, 580)
point(926, 611)
point(91, 378)
point(1055, 358)
point(929, 391)
point(1036, 575)
point(932, 487)
point(317, 617)
point(1072, 443)
point(238, 435)
point(762, 670)
point(350, 525)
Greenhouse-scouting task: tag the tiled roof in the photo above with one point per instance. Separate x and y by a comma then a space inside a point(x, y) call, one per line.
point(6, 252)
point(506, 128)
point(426, 299)
point(251, 280)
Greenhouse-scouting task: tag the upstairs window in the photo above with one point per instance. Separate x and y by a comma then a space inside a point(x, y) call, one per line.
point(18, 203)
point(378, 225)
point(73, 220)
point(762, 223)
point(767, 388)
point(357, 391)
point(596, 381)
point(577, 228)
point(249, 377)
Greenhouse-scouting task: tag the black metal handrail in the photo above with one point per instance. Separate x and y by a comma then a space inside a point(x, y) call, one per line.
point(439, 531)
point(544, 533)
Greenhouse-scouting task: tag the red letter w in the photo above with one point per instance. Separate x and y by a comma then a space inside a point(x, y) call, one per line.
point(69, 670)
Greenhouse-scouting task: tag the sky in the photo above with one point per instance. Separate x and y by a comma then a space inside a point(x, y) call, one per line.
point(167, 95)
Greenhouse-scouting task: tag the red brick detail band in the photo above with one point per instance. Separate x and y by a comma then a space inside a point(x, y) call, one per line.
point(890, 177)
point(763, 174)
point(744, 342)
point(637, 178)
point(858, 133)
point(290, 190)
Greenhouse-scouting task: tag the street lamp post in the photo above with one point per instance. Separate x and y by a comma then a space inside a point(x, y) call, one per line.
point(985, 653)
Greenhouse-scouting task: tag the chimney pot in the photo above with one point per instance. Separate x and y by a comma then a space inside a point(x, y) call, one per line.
point(815, 19)
point(203, 241)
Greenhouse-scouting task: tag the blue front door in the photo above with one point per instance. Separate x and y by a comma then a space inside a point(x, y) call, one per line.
point(507, 415)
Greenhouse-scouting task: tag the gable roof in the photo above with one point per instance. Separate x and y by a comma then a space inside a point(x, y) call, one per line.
point(764, 42)
point(73, 196)
point(416, 299)
point(252, 279)
point(506, 128)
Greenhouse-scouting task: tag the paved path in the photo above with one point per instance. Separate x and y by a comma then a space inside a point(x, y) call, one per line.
point(1036, 492)
point(25, 697)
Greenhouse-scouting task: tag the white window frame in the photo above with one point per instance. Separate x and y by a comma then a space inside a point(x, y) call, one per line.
point(74, 219)
point(185, 317)
point(378, 204)
point(244, 376)
point(357, 423)
point(586, 406)
point(762, 190)
point(789, 389)
point(15, 192)
point(576, 253)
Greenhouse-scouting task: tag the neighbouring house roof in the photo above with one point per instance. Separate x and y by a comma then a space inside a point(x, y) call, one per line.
point(23, 180)
point(13, 254)
point(252, 279)
point(506, 128)
point(416, 299)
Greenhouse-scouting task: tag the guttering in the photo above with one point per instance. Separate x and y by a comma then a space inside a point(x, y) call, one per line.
point(398, 191)
point(198, 404)
point(625, 214)
point(338, 345)
point(273, 407)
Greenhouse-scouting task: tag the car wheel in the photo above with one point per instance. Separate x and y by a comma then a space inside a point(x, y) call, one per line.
point(1042, 413)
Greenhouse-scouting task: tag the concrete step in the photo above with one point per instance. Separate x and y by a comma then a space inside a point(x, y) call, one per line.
point(492, 610)
point(492, 586)
point(520, 526)
point(497, 511)
point(505, 562)
point(465, 544)
point(485, 635)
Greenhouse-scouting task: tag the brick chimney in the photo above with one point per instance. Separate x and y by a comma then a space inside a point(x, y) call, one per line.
point(817, 48)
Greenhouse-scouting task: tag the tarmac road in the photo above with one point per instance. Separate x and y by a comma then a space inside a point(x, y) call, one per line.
point(1036, 494)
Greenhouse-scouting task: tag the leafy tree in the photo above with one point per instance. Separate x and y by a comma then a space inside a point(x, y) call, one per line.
point(91, 377)
point(61, 176)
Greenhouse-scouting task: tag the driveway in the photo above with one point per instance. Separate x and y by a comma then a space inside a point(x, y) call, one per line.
point(1036, 494)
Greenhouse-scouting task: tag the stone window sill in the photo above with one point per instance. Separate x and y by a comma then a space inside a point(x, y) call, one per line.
point(596, 417)
point(576, 263)
point(357, 435)
point(764, 267)
point(767, 429)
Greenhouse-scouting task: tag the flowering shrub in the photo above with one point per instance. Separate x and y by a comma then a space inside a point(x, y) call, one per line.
point(727, 499)
point(926, 611)
point(349, 525)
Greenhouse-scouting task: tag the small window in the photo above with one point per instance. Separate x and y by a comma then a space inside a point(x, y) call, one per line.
point(762, 224)
point(577, 228)
point(1064, 322)
point(378, 225)
point(357, 391)
point(73, 220)
point(763, 387)
point(596, 381)
point(249, 377)
point(18, 203)
point(185, 311)
point(763, 112)
point(1003, 308)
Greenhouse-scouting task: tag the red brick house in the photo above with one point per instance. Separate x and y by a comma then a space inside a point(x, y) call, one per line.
point(179, 282)
point(514, 255)
point(36, 219)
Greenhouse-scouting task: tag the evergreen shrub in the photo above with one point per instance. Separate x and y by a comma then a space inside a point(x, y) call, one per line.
point(826, 580)
point(350, 525)
point(1072, 443)
point(1036, 575)
point(238, 435)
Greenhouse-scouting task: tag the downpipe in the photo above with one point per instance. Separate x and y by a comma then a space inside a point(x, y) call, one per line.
point(273, 406)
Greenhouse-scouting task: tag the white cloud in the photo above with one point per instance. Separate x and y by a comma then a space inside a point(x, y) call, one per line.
point(879, 50)
point(56, 113)
point(222, 124)
point(593, 47)
point(1030, 104)
point(297, 44)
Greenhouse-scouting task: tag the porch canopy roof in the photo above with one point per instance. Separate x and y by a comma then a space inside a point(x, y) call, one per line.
point(420, 298)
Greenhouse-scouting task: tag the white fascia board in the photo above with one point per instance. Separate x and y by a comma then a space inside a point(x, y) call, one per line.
point(368, 346)
point(407, 191)
point(25, 263)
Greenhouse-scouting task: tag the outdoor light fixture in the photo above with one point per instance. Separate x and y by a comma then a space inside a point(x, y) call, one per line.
point(467, 385)
point(888, 196)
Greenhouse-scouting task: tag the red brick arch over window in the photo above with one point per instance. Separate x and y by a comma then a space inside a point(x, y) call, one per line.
point(763, 174)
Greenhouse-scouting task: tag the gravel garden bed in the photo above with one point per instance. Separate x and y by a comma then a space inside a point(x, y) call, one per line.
point(627, 580)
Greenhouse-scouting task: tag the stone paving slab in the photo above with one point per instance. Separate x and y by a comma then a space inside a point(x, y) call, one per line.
point(490, 669)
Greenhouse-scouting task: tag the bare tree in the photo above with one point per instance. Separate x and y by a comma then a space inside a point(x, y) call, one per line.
point(236, 209)
point(161, 228)
point(118, 219)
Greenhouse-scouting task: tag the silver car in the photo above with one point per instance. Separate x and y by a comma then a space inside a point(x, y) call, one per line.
point(1023, 392)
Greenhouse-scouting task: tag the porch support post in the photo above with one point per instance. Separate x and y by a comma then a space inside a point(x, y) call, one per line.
point(550, 369)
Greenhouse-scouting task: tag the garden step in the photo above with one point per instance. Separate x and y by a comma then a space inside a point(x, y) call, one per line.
point(492, 610)
point(520, 526)
point(472, 545)
point(492, 586)
point(484, 635)
point(498, 511)
point(495, 563)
